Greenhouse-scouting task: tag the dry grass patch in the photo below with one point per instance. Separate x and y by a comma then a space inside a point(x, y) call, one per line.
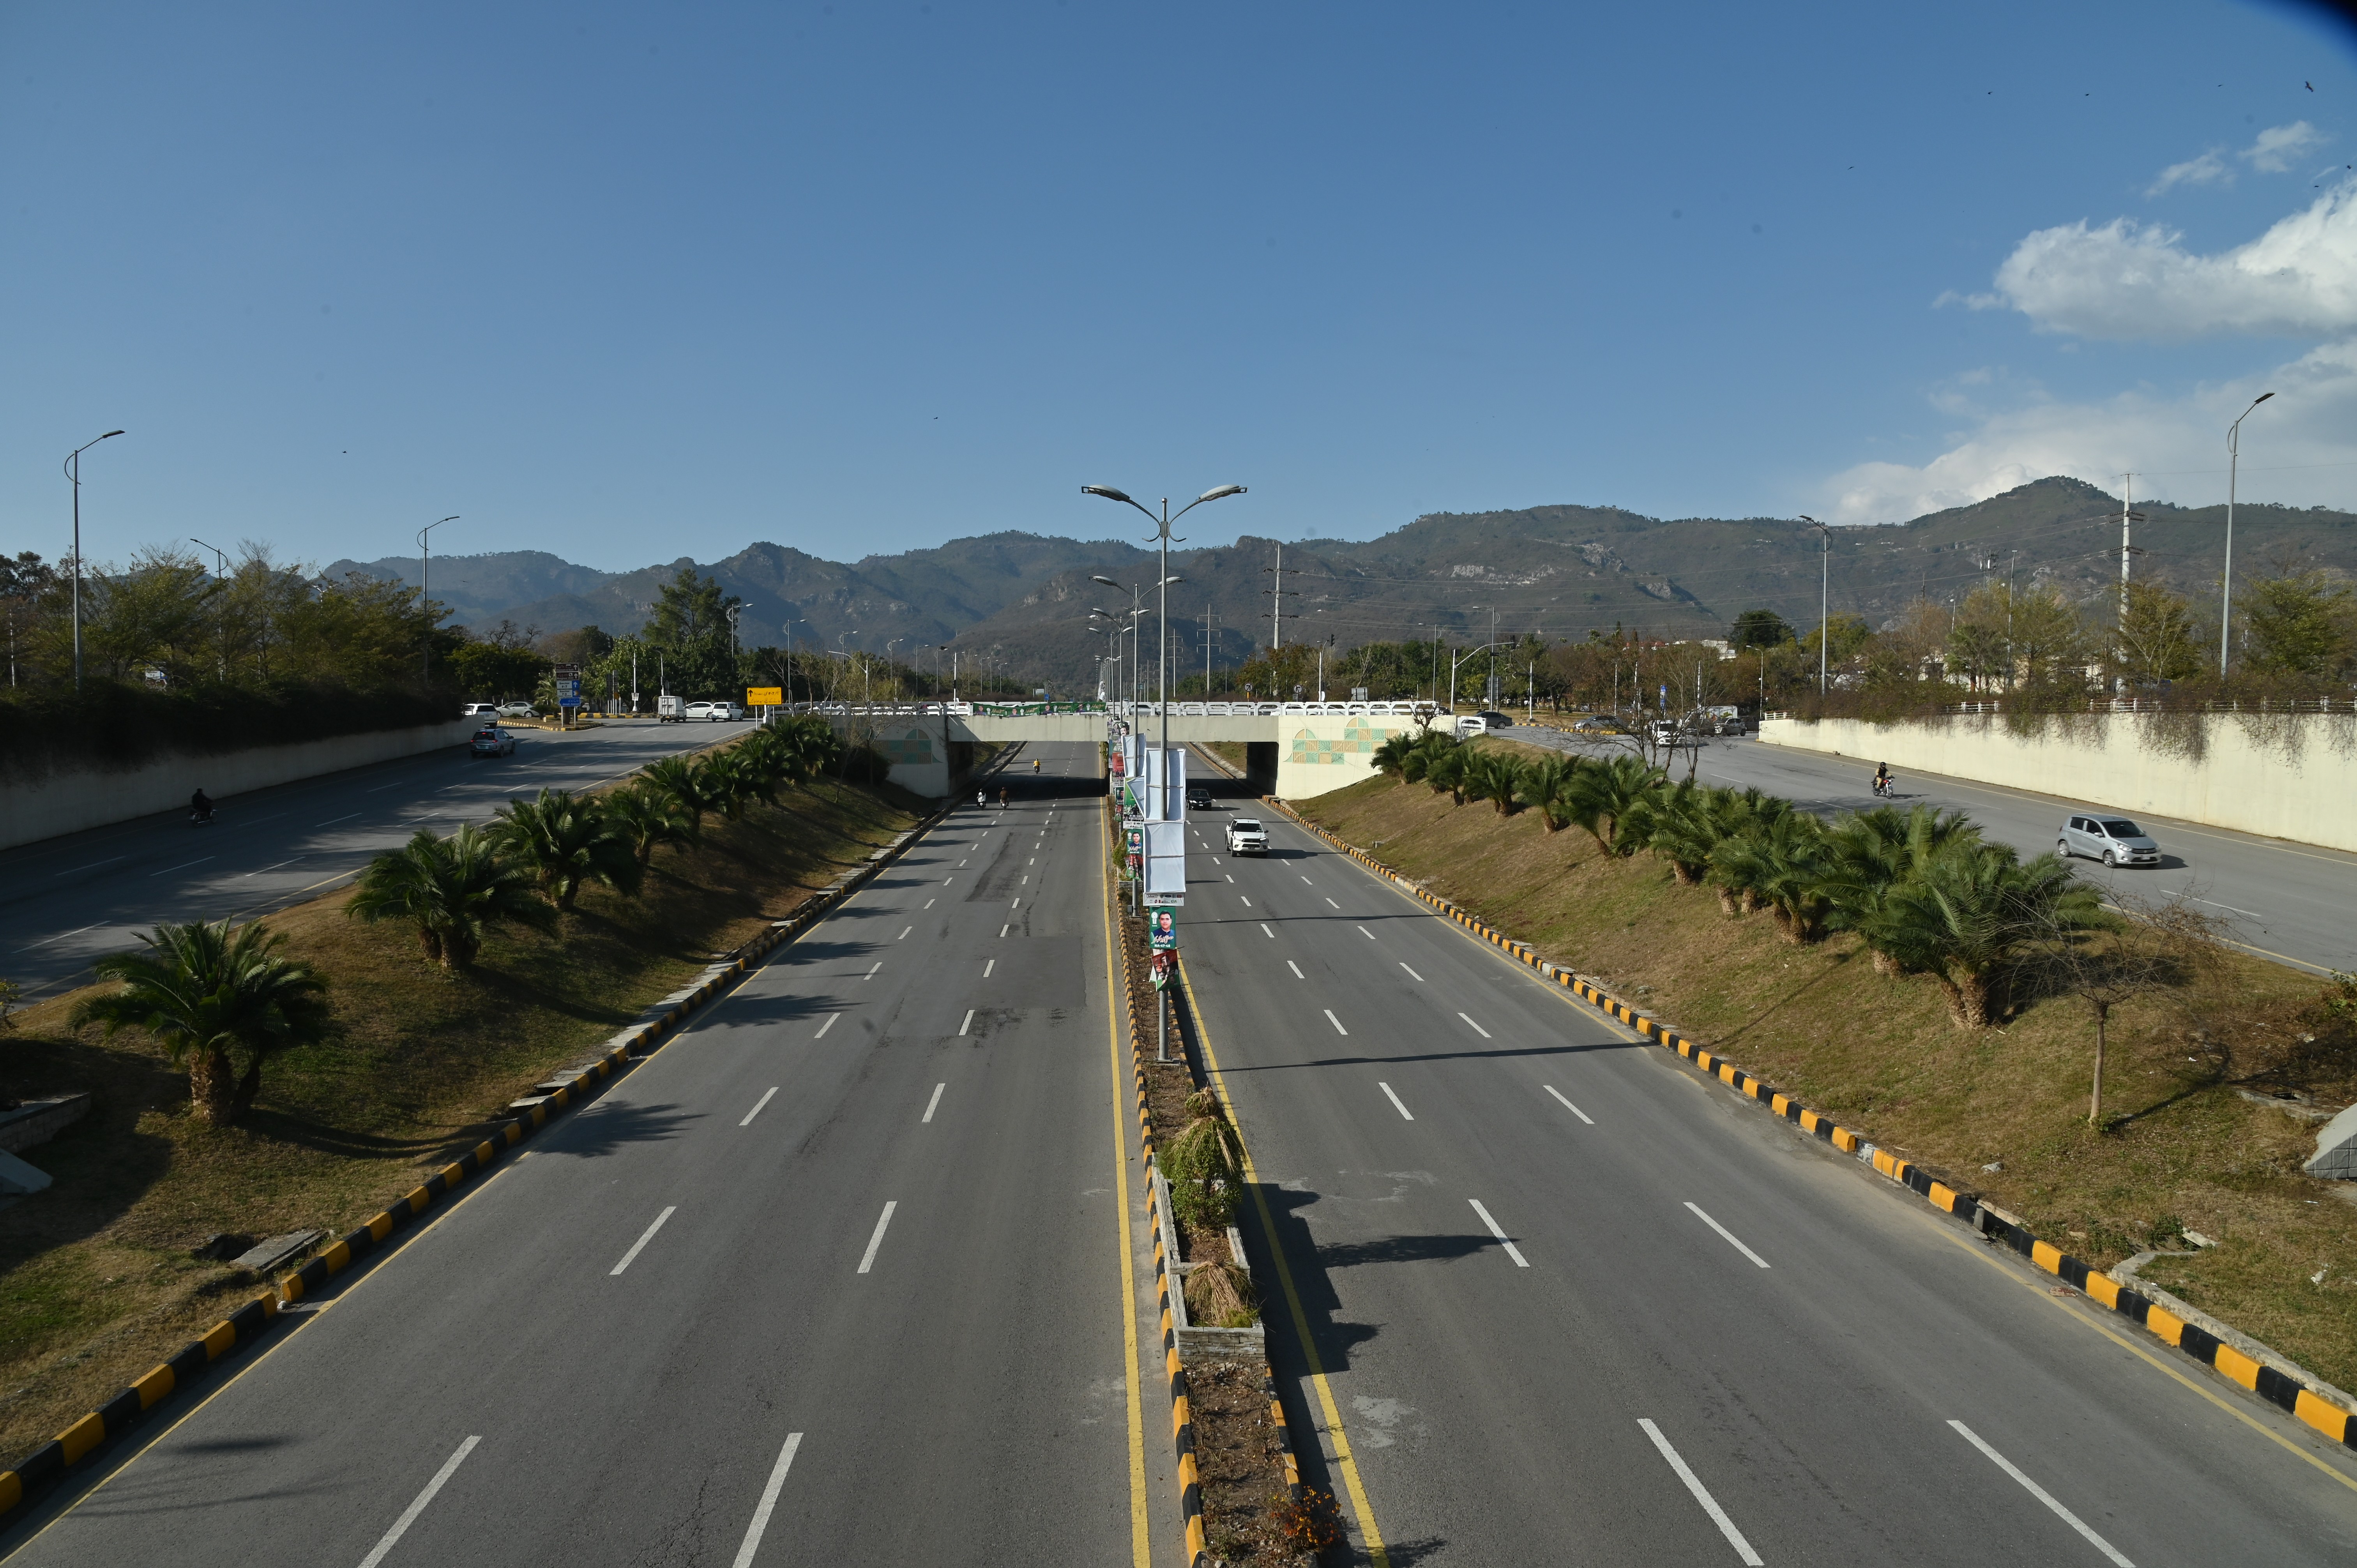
point(2180, 1148)
point(99, 1282)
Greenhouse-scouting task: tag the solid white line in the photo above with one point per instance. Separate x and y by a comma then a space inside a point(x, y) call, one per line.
point(1331, 905)
point(904, 935)
point(642, 1240)
point(823, 1028)
point(878, 1240)
point(1731, 1241)
point(259, 871)
point(2042, 1495)
point(1366, 933)
point(417, 1505)
point(1512, 1251)
point(1413, 975)
point(757, 1109)
point(94, 865)
point(1336, 1022)
point(1296, 970)
point(1476, 1028)
point(1406, 1114)
point(182, 867)
point(1271, 935)
point(969, 1020)
point(871, 974)
point(769, 1501)
point(931, 1104)
point(1709, 1504)
point(1567, 1105)
point(987, 967)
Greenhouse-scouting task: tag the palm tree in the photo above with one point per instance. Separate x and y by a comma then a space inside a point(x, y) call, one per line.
point(1780, 861)
point(1680, 825)
point(1869, 856)
point(205, 992)
point(454, 888)
point(1492, 775)
point(1603, 793)
point(1734, 811)
point(1391, 757)
point(1445, 770)
point(685, 780)
point(1970, 912)
point(1543, 785)
point(565, 840)
point(646, 816)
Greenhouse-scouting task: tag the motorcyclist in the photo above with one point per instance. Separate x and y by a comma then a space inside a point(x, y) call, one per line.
point(201, 808)
point(1035, 765)
point(978, 798)
point(1001, 796)
point(1882, 778)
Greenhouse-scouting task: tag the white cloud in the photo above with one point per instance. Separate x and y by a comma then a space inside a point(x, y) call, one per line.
point(2278, 144)
point(2301, 450)
point(2208, 169)
point(2127, 280)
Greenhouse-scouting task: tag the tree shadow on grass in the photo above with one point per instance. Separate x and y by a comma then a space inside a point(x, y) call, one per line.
point(1836, 962)
point(101, 1165)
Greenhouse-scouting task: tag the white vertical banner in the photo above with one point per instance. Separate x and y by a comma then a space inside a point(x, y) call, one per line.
point(1166, 785)
point(1166, 863)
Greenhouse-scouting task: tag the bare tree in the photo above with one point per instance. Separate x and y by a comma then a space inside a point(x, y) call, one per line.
point(2157, 945)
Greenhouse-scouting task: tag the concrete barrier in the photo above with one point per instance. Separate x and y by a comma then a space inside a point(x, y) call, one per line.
point(2280, 776)
point(66, 802)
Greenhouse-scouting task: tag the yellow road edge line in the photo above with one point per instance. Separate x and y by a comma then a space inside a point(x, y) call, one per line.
point(1943, 1231)
point(1343, 1461)
point(1140, 1535)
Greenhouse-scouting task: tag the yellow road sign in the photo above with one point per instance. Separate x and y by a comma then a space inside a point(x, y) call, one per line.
point(764, 696)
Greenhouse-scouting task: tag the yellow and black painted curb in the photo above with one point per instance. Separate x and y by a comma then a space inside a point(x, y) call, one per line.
point(48, 1464)
point(1166, 1280)
point(2270, 1383)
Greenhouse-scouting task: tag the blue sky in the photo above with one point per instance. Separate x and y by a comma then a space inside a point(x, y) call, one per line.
point(631, 282)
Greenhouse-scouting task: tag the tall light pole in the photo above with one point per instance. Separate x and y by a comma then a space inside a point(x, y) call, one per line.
point(2226, 579)
point(221, 573)
point(425, 590)
point(73, 476)
point(1162, 653)
point(1825, 597)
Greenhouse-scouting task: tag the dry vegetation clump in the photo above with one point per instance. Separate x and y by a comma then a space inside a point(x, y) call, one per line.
point(2001, 1110)
point(100, 1279)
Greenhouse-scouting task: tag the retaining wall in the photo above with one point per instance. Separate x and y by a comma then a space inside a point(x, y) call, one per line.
point(66, 802)
point(2280, 776)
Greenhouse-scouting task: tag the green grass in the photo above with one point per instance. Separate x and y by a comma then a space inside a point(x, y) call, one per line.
point(1879, 1054)
point(96, 1280)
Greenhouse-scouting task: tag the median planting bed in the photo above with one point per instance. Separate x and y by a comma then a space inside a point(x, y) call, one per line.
point(2190, 1140)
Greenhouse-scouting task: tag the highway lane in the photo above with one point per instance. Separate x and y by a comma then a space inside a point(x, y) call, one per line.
point(66, 901)
point(863, 1207)
point(1495, 1384)
point(2291, 901)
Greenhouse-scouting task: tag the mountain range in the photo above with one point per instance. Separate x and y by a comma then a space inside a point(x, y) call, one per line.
point(1024, 598)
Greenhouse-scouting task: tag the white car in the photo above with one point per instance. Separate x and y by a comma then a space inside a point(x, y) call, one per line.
point(516, 710)
point(2114, 840)
point(1246, 836)
point(479, 711)
point(716, 713)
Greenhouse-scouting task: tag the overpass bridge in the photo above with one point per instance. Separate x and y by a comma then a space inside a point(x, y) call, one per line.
point(1292, 750)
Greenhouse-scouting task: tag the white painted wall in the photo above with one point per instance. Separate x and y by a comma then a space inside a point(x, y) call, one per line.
point(2278, 775)
point(66, 802)
point(1317, 753)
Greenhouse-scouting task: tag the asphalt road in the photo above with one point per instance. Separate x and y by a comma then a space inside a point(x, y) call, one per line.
point(2294, 902)
point(860, 1215)
point(66, 901)
point(1695, 1335)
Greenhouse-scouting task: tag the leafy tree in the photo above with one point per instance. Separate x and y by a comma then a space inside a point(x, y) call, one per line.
point(565, 840)
point(690, 625)
point(493, 671)
point(453, 889)
point(2298, 624)
point(2157, 639)
point(209, 993)
point(1970, 913)
point(1869, 856)
point(1760, 629)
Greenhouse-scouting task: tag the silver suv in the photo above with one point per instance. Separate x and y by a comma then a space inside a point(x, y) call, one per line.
point(2114, 840)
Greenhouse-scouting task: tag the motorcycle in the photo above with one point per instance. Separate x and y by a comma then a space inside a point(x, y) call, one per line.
point(200, 816)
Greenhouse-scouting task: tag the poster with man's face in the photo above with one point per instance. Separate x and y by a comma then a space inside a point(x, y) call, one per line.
point(1165, 929)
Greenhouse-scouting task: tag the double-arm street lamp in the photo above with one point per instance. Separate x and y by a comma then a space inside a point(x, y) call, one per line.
point(73, 476)
point(1162, 531)
point(2226, 578)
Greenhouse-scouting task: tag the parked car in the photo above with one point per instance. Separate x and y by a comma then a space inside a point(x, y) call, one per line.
point(714, 713)
point(2114, 840)
point(1496, 721)
point(1664, 732)
point(1597, 724)
point(1731, 724)
point(479, 711)
point(516, 711)
point(1246, 836)
point(493, 741)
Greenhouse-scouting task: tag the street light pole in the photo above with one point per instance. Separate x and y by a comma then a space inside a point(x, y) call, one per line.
point(73, 476)
point(426, 592)
point(2226, 579)
point(1825, 597)
point(221, 572)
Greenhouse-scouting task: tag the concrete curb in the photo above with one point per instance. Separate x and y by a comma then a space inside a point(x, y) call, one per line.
point(1182, 1426)
point(2265, 1378)
point(48, 1464)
